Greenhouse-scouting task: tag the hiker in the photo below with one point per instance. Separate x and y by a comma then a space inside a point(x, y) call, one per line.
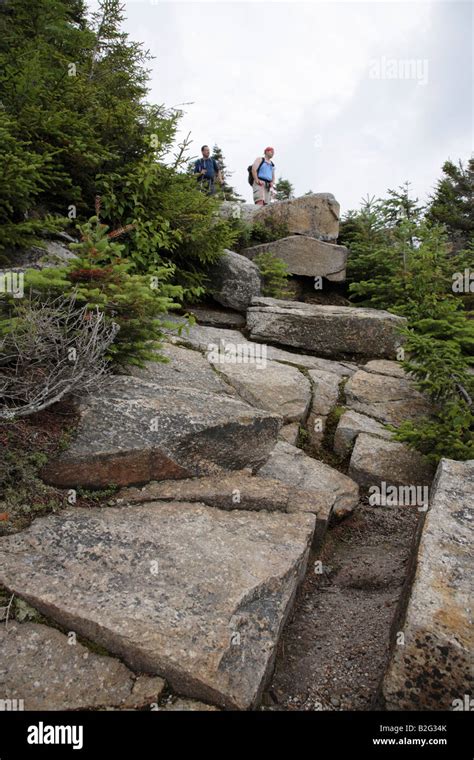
point(207, 169)
point(263, 173)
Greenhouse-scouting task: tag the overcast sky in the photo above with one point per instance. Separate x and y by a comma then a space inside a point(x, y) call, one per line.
point(355, 97)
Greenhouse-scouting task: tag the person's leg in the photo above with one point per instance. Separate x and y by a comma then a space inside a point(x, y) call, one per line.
point(264, 194)
point(258, 194)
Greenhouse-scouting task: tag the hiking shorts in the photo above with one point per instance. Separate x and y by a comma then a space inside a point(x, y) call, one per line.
point(261, 192)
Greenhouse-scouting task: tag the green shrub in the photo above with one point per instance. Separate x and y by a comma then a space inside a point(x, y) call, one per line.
point(102, 278)
point(402, 262)
point(247, 234)
point(174, 224)
point(274, 273)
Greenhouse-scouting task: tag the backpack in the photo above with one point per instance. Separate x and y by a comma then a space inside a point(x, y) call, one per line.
point(249, 169)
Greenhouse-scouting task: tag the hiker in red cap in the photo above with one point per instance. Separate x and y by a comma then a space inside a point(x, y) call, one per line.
point(263, 173)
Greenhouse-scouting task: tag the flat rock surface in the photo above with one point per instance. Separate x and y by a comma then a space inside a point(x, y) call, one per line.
point(343, 369)
point(204, 337)
point(385, 367)
point(207, 339)
point(329, 331)
point(386, 397)
point(335, 492)
point(350, 425)
point(41, 667)
point(239, 490)
point(186, 368)
point(193, 594)
point(132, 431)
point(433, 669)
point(273, 386)
point(305, 255)
point(375, 460)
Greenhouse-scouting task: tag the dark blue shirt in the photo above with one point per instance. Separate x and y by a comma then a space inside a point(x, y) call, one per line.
point(209, 164)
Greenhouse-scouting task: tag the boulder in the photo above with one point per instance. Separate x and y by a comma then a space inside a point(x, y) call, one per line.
point(205, 337)
point(350, 425)
point(325, 387)
point(238, 210)
point(276, 387)
point(316, 215)
point(234, 280)
point(240, 490)
point(184, 368)
point(334, 492)
point(375, 460)
point(131, 431)
point(343, 369)
point(431, 663)
point(209, 315)
point(193, 594)
point(307, 256)
point(385, 367)
point(289, 433)
point(331, 331)
point(39, 665)
point(50, 254)
point(208, 339)
point(388, 398)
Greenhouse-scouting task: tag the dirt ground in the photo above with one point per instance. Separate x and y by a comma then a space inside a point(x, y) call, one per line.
point(334, 647)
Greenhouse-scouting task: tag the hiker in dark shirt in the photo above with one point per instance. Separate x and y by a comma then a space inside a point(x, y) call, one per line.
point(207, 170)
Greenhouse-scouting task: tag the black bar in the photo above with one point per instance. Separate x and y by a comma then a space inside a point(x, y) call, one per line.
point(250, 734)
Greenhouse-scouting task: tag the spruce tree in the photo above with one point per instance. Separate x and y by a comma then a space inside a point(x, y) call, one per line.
point(452, 203)
point(225, 191)
point(284, 189)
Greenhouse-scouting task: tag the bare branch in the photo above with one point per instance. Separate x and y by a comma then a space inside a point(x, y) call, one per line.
point(55, 347)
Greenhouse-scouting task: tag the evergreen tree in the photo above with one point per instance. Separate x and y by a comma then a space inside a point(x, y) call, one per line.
point(75, 126)
point(73, 94)
point(225, 191)
point(402, 262)
point(452, 203)
point(101, 277)
point(284, 189)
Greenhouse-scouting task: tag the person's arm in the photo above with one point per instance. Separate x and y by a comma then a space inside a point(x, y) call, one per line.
point(255, 166)
point(197, 170)
point(273, 177)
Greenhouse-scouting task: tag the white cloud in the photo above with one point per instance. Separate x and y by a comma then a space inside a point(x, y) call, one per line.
point(297, 76)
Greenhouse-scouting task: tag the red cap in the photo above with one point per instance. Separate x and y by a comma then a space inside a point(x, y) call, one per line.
point(269, 148)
